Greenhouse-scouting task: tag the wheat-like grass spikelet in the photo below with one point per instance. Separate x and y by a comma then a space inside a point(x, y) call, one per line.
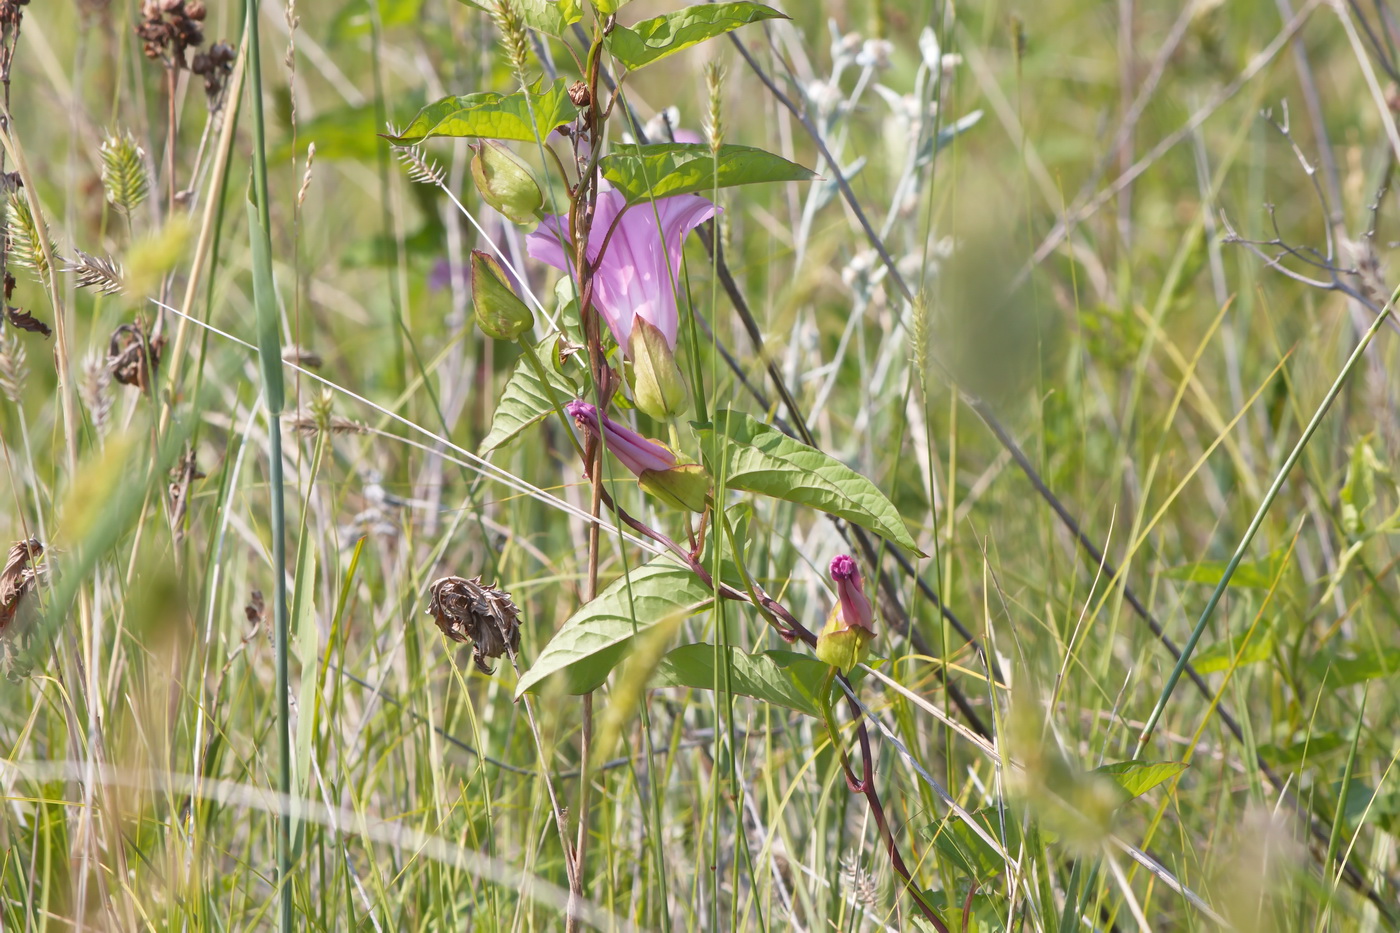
point(124, 174)
point(23, 245)
point(103, 274)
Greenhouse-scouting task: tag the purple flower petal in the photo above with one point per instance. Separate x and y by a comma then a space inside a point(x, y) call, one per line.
point(636, 452)
point(856, 611)
point(638, 273)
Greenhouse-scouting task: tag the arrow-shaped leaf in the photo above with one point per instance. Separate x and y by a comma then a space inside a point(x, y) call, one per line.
point(596, 638)
point(653, 39)
point(662, 169)
point(525, 116)
point(756, 457)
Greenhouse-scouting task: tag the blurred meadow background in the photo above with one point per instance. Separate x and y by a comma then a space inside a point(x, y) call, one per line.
point(1072, 281)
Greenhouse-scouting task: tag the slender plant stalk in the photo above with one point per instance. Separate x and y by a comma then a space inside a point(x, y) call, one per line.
point(270, 355)
point(1279, 479)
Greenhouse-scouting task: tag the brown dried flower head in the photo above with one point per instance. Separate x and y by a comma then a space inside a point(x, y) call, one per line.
point(169, 27)
point(470, 611)
point(19, 576)
point(127, 355)
point(214, 66)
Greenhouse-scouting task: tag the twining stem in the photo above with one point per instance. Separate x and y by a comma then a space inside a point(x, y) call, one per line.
point(824, 700)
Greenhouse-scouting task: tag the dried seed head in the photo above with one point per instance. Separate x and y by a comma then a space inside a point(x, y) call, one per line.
point(182, 474)
point(714, 123)
point(95, 272)
point(860, 883)
point(214, 66)
point(20, 576)
point(131, 357)
point(169, 27)
point(256, 610)
point(124, 174)
point(579, 94)
point(468, 611)
point(95, 390)
point(14, 370)
point(421, 168)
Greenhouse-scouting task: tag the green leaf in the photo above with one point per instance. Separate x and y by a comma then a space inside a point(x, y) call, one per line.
point(754, 457)
point(659, 170)
point(1138, 777)
point(547, 16)
point(1368, 665)
point(523, 116)
point(525, 401)
point(1220, 656)
point(1258, 574)
point(596, 638)
point(783, 678)
point(653, 39)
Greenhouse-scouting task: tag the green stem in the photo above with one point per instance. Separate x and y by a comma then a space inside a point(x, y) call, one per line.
point(1249, 533)
point(270, 350)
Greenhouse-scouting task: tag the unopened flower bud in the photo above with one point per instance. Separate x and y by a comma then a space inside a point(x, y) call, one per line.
point(849, 629)
point(639, 454)
point(499, 311)
point(505, 183)
point(657, 386)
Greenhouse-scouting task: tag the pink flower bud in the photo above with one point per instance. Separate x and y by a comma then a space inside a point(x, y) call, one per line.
point(636, 452)
point(856, 611)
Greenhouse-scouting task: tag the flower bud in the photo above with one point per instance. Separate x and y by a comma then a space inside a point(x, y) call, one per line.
point(856, 611)
point(657, 386)
point(850, 628)
point(639, 454)
point(505, 183)
point(499, 311)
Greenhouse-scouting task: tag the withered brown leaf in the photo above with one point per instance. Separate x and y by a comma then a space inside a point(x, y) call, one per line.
point(127, 355)
point(470, 611)
point(25, 321)
point(256, 610)
point(19, 576)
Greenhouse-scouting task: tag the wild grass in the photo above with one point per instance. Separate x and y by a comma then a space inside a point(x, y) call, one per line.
point(1076, 340)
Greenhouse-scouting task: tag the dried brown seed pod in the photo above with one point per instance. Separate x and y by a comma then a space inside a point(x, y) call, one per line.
point(127, 355)
point(256, 610)
point(579, 94)
point(19, 576)
point(470, 611)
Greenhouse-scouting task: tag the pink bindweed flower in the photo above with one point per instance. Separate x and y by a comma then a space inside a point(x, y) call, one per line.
point(639, 454)
point(856, 611)
point(843, 641)
point(637, 274)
